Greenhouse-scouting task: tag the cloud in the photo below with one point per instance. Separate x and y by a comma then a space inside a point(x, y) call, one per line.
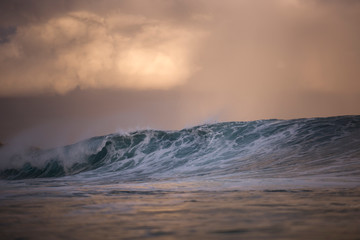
point(238, 60)
point(84, 50)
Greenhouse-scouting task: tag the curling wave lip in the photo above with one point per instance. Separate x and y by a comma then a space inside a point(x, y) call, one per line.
point(249, 150)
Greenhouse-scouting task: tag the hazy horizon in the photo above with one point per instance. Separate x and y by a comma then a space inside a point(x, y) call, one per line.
point(76, 69)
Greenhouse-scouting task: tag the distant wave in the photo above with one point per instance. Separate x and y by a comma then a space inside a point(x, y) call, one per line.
point(256, 149)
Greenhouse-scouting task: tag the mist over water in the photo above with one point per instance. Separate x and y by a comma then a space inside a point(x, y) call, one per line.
point(75, 71)
point(277, 179)
point(257, 149)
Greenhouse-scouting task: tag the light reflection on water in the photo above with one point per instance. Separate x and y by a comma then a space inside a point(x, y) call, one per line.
point(166, 210)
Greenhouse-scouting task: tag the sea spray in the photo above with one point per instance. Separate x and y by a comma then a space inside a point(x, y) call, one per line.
point(255, 149)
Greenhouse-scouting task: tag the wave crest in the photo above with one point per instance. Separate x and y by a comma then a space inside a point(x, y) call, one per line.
point(265, 148)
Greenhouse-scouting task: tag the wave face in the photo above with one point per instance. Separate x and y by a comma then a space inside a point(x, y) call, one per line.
point(256, 149)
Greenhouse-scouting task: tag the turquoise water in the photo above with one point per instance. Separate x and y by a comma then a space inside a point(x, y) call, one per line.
point(273, 179)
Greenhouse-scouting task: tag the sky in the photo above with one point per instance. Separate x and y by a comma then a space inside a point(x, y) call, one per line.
point(76, 69)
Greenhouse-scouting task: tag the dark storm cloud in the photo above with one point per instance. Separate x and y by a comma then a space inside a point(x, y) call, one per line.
point(20, 12)
point(5, 33)
point(194, 60)
point(91, 45)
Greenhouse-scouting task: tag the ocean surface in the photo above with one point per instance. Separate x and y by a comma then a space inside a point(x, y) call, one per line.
point(266, 179)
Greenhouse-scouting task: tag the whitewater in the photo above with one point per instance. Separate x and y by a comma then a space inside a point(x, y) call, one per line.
point(274, 179)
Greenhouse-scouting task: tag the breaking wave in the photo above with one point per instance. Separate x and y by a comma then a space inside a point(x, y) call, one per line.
point(256, 149)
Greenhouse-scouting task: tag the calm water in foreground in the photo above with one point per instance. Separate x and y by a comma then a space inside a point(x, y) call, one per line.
point(268, 179)
point(51, 211)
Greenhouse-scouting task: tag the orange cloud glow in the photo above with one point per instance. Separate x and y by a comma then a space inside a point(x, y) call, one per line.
point(85, 50)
